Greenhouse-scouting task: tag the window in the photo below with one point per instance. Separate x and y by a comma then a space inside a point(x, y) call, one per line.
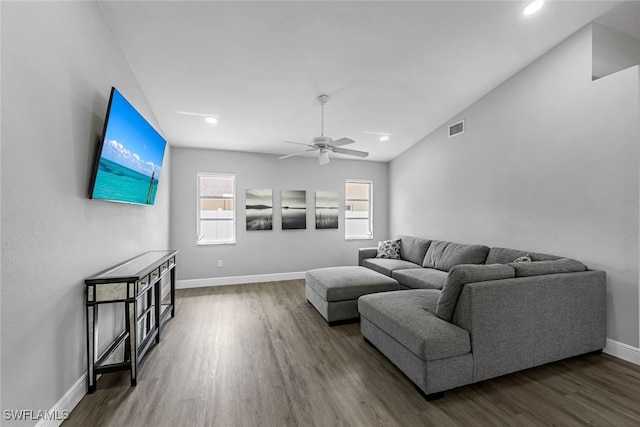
point(216, 208)
point(358, 215)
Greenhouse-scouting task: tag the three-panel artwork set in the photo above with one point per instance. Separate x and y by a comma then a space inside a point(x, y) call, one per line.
point(259, 208)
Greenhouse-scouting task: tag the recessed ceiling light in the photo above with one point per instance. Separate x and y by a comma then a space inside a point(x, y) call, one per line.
point(383, 135)
point(533, 7)
point(207, 117)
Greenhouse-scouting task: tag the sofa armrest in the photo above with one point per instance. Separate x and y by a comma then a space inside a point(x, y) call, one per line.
point(364, 253)
point(523, 322)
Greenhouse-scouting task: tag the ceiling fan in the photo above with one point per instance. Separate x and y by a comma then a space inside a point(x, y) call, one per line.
point(324, 144)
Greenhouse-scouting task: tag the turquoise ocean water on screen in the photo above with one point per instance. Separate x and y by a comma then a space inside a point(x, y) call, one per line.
point(117, 182)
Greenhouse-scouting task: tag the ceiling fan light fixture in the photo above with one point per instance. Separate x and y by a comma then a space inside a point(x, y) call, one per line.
point(323, 158)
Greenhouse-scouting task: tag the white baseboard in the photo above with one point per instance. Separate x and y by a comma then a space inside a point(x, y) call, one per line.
point(237, 280)
point(66, 404)
point(623, 351)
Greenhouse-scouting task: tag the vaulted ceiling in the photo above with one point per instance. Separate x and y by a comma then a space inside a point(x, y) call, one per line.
point(389, 67)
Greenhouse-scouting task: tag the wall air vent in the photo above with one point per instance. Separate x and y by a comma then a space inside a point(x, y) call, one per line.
point(456, 128)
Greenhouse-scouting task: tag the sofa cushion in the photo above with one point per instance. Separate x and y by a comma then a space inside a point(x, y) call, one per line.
point(420, 278)
point(537, 268)
point(444, 255)
point(408, 317)
point(461, 274)
point(389, 249)
point(413, 249)
point(505, 256)
point(386, 266)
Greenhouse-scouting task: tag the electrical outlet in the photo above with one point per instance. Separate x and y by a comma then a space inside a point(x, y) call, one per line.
point(220, 264)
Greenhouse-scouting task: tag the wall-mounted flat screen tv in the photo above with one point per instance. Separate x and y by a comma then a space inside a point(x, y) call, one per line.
point(130, 156)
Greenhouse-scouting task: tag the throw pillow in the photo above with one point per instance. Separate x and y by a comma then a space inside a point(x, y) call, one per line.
point(389, 249)
point(526, 258)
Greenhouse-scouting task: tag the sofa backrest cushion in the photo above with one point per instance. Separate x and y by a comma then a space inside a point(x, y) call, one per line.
point(413, 248)
point(537, 268)
point(444, 255)
point(467, 273)
point(505, 256)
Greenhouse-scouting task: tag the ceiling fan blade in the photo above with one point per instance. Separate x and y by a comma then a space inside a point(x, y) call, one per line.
point(298, 143)
point(356, 153)
point(342, 141)
point(294, 154)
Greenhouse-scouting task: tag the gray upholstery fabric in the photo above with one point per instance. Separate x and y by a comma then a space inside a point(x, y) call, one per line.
point(347, 283)
point(430, 376)
point(444, 255)
point(413, 249)
point(364, 253)
point(333, 311)
point(506, 256)
point(387, 266)
point(523, 322)
point(467, 273)
point(408, 317)
point(516, 315)
point(420, 278)
point(537, 268)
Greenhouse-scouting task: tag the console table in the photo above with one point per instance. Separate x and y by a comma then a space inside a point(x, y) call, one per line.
point(138, 284)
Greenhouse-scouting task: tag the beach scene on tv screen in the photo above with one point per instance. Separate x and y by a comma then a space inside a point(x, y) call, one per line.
point(131, 157)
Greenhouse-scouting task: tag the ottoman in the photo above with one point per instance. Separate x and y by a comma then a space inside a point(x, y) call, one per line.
point(334, 291)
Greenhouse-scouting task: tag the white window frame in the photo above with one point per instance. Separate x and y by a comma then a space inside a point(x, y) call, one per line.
point(359, 181)
point(199, 220)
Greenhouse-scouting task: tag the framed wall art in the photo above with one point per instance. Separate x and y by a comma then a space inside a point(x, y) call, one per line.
point(326, 210)
point(294, 209)
point(259, 209)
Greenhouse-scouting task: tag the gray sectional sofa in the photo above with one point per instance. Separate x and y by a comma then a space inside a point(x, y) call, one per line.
point(469, 312)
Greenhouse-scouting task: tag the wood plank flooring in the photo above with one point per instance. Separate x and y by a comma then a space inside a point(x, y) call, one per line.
point(260, 355)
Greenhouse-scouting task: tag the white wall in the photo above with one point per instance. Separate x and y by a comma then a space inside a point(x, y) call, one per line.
point(613, 50)
point(276, 251)
point(548, 163)
point(59, 61)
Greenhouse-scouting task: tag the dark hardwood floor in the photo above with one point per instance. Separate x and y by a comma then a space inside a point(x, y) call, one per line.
point(260, 355)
